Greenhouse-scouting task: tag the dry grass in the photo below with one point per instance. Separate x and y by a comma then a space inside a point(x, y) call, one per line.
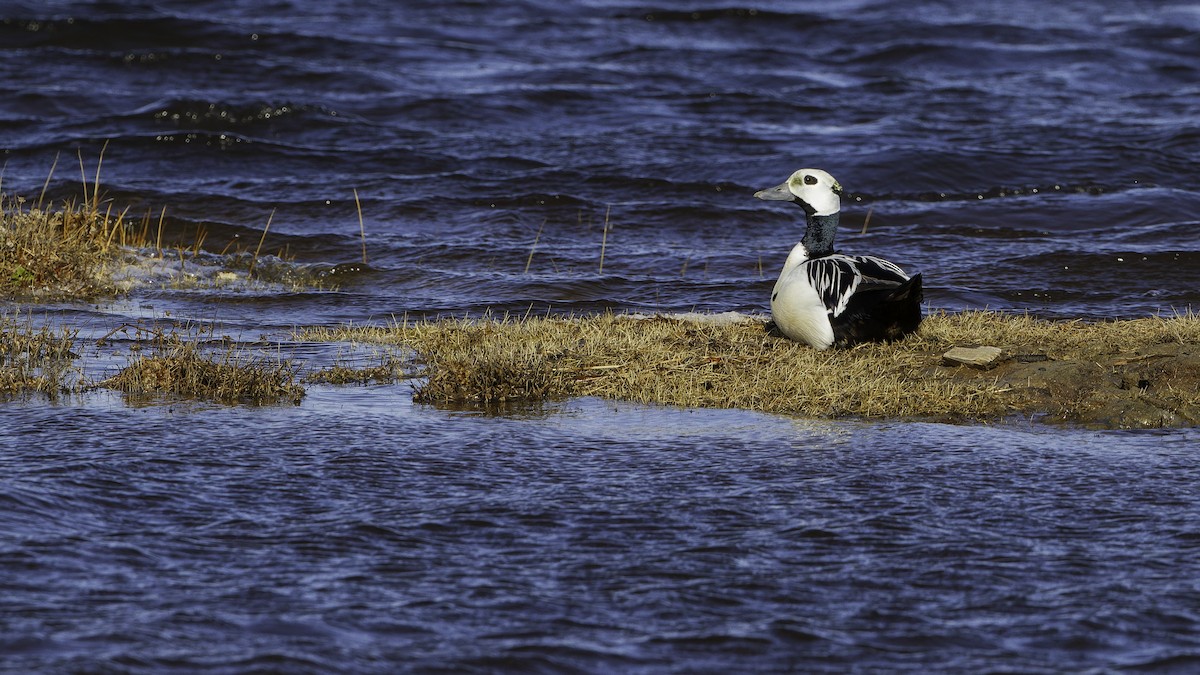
point(684, 363)
point(178, 366)
point(1138, 373)
point(41, 361)
point(75, 252)
point(1055, 339)
point(65, 252)
point(35, 360)
point(57, 253)
point(711, 364)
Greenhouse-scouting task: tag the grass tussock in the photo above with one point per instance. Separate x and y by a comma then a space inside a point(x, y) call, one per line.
point(35, 360)
point(57, 253)
point(1063, 369)
point(84, 251)
point(179, 367)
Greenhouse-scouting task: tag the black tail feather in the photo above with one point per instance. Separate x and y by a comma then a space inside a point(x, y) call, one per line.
point(880, 315)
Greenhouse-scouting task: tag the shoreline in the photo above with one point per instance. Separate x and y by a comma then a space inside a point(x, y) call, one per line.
point(1126, 374)
point(1132, 373)
point(1142, 373)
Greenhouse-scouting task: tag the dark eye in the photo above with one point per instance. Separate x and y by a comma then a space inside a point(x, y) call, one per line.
point(810, 180)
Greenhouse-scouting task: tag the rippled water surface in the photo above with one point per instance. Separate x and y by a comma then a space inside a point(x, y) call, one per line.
point(577, 157)
point(589, 536)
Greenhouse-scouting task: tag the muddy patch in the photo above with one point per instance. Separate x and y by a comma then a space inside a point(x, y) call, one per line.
point(1158, 386)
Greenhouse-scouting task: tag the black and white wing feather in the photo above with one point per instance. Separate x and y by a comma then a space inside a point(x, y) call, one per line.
point(838, 277)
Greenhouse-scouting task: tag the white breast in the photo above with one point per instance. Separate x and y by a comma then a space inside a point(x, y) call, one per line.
point(797, 309)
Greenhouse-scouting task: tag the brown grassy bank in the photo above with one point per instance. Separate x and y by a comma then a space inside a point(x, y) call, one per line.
point(1141, 373)
point(1137, 373)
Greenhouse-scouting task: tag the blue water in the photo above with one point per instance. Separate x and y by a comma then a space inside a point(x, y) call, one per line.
point(1025, 156)
point(351, 534)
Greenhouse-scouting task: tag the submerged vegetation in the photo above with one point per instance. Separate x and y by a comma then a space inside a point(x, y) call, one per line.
point(35, 360)
point(41, 360)
point(389, 370)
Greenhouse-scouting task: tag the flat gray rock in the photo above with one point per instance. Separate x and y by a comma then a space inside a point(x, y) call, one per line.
point(975, 357)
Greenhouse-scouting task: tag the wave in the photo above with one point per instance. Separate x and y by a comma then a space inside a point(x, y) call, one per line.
point(722, 14)
point(134, 27)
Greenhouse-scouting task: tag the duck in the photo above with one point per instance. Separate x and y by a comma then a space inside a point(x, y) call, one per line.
point(826, 299)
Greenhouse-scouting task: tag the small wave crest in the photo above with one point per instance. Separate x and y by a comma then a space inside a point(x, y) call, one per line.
point(218, 115)
point(995, 192)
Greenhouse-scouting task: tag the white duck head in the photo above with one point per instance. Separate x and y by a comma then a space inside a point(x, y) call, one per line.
point(814, 190)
